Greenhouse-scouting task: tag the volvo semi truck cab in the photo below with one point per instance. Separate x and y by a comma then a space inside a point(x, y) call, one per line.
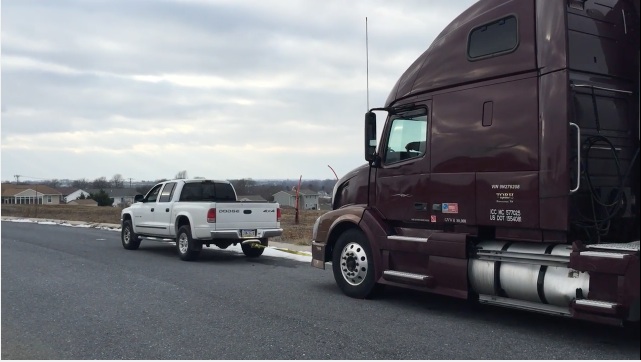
point(508, 167)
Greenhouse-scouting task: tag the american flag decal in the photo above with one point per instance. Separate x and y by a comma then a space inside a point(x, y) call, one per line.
point(449, 208)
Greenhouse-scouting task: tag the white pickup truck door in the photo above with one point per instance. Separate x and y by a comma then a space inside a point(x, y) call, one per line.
point(162, 213)
point(144, 213)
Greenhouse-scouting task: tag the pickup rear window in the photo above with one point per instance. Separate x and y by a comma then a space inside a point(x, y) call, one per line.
point(207, 191)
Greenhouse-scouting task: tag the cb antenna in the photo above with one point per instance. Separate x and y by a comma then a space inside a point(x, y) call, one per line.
point(367, 63)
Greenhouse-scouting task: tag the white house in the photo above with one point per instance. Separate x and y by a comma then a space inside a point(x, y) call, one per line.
point(71, 193)
point(122, 196)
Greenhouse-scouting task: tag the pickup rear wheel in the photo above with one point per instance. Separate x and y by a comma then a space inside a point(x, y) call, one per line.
point(254, 250)
point(130, 240)
point(353, 265)
point(187, 247)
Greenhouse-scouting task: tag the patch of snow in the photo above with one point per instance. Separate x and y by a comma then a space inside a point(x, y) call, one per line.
point(109, 228)
point(21, 220)
point(47, 223)
point(269, 251)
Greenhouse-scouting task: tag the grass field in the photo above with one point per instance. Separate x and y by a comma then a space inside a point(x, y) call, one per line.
point(296, 234)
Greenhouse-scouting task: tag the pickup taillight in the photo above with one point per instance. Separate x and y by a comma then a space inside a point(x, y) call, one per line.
point(278, 214)
point(211, 215)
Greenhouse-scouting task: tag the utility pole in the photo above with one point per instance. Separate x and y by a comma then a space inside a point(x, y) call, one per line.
point(297, 202)
point(36, 187)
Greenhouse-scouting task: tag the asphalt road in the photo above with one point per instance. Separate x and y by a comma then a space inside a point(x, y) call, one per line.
point(75, 293)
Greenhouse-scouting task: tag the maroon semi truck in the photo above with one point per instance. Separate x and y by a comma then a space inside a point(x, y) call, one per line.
point(508, 168)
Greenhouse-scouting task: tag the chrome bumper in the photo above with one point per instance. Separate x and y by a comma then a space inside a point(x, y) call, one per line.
point(235, 234)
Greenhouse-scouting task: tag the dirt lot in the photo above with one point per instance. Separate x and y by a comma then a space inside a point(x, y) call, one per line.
point(300, 234)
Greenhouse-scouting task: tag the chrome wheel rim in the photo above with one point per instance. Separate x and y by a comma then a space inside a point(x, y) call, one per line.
point(183, 243)
point(354, 264)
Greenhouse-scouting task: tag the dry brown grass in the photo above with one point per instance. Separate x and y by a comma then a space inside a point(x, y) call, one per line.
point(296, 234)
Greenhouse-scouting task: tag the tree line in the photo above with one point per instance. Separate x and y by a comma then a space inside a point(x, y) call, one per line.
point(244, 186)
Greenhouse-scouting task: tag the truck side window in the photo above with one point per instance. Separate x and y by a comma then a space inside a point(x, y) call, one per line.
point(500, 36)
point(152, 196)
point(407, 139)
point(167, 192)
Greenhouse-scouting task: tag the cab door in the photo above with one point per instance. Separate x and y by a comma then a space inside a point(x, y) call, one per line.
point(144, 215)
point(162, 213)
point(402, 193)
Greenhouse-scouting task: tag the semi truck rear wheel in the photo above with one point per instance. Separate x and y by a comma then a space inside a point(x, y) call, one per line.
point(353, 265)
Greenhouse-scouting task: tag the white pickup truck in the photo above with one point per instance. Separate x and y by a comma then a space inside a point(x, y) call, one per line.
point(198, 212)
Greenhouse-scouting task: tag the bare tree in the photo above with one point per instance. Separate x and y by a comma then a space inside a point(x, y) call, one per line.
point(52, 183)
point(81, 183)
point(100, 183)
point(243, 186)
point(117, 181)
point(181, 175)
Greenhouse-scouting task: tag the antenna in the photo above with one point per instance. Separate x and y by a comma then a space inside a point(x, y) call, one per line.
point(367, 63)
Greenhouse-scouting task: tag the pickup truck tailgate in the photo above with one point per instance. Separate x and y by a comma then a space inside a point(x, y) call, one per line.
point(249, 215)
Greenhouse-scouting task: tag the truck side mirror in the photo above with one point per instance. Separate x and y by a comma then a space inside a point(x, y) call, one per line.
point(138, 198)
point(370, 136)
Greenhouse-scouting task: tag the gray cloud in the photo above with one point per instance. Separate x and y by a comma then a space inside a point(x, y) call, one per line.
point(225, 89)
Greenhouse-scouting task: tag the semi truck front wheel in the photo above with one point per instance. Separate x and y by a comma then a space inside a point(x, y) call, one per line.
point(353, 265)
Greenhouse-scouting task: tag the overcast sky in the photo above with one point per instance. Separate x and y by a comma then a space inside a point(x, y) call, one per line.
point(222, 89)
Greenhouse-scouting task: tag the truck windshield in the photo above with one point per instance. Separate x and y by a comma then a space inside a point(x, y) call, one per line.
point(207, 191)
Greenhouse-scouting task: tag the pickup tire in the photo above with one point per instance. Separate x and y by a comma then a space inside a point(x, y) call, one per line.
point(252, 251)
point(188, 248)
point(353, 265)
point(130, 240)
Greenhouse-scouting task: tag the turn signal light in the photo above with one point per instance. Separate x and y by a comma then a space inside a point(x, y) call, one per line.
point(278, 214)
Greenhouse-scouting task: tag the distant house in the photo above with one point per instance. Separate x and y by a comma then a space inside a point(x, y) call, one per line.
point(251, 198)
point(30, 194)
point(307, 199)
point(122, 197)
point(71, 193)
point(83, 202)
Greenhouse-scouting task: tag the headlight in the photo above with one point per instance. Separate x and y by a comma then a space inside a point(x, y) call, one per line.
point(315, 228)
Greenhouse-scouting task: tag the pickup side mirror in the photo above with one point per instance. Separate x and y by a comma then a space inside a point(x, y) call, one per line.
point(139, 198)
point(370, 136)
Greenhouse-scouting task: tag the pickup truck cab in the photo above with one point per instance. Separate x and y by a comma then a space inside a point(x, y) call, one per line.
point(199, 212)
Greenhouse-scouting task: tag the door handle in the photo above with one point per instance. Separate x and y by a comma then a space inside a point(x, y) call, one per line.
point(152, 209)
point(167, 210)
point(578, 157)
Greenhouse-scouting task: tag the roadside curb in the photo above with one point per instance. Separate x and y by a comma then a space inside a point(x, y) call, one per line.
point(272, 244)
